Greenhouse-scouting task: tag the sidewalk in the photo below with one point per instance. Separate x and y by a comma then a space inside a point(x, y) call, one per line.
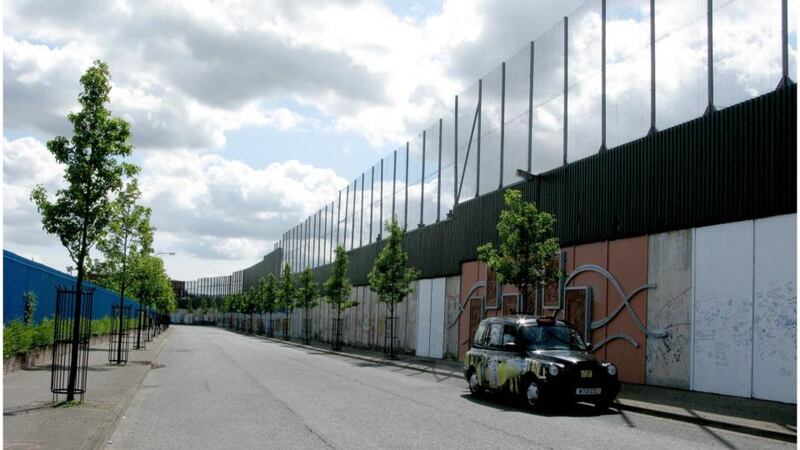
point(757, 417)
point(31, 421)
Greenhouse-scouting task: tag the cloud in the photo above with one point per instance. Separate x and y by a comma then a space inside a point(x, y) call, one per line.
point(218, 208)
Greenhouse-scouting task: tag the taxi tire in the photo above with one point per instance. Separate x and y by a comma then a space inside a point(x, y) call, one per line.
point(474, 391)
point(526, 384)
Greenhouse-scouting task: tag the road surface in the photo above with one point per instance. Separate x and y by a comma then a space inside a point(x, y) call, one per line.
point(212, 388)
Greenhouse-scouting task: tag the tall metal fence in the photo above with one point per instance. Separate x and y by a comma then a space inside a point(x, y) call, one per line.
point(611, 72)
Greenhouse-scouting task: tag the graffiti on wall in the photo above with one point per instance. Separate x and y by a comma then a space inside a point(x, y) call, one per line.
point(627, 298)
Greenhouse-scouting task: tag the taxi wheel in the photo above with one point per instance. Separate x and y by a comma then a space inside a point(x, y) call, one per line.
point(531, 393)
point(474, 386)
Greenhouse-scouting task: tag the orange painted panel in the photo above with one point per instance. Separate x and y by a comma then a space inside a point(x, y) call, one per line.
point(627, 261)
point(596, 253)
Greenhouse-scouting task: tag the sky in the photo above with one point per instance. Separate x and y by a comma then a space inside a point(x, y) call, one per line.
point(247, 117)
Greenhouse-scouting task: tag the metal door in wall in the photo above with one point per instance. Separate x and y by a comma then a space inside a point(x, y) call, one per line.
point(578, 309)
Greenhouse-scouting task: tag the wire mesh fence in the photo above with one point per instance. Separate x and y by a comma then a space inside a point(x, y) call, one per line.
point(610, 72)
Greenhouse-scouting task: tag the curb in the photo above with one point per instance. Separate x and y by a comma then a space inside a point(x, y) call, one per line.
point(704, 422)
point(105, 433)
point(619, 403)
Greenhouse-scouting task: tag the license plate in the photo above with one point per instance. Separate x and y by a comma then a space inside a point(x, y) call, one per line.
point(587, 391)
point(586, 373)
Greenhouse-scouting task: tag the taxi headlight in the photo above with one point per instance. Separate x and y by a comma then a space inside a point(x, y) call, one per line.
point(553, 370)
point(612, 369)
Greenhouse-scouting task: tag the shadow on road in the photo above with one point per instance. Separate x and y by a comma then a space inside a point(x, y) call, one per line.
point(507, 402)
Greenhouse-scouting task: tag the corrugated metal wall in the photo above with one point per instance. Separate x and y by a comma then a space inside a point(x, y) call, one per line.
point(735, 164)
point(22, 275)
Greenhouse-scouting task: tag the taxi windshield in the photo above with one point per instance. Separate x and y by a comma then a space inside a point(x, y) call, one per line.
point(551, 337)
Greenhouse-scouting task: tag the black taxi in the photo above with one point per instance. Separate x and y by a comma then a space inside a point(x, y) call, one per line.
point(540, 359)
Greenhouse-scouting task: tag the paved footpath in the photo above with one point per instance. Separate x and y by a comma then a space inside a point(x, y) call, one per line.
point(31, 421)
point(217, 389)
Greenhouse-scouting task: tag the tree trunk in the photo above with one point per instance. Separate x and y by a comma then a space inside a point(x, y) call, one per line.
point(76, 327)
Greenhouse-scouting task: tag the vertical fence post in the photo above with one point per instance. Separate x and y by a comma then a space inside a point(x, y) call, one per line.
point(325, 238)
point(439, 177)
point(346, 210)
point(566, 89)
point(361, 215)
point(478, 150)
point(784, 44)
point(353, 221)
point(530, 108)
point(394, 180)
point(405, 208)
point(455, 156)
point(422, 182)
point(371, 202)
point(710, 58)
point(380, 208)
point(502, 121)
point(653, 128)
point(338, 213)
point(603, 76)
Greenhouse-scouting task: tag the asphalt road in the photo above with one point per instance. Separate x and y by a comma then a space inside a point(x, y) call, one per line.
point(212, 388)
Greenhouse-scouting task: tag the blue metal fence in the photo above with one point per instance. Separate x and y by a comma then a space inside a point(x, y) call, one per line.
point(21, 275)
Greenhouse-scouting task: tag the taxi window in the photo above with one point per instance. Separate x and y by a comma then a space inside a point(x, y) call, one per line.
point(496, 335)
point(478, 340)
point(509, 334)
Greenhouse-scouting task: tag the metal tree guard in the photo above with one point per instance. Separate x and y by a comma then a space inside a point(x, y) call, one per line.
point(119, 340)
point(336, 342)
point(390, 337)
point(140, 319)
point(71, 343)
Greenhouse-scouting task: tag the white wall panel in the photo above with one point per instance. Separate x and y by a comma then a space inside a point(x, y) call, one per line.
point(437, 318)
point(775, 312)
point(423, 317)
point(723, 309)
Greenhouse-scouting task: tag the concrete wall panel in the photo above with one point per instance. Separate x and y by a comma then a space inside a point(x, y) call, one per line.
point(452, 310)
point(424, 318)
point(723, 309)
point(669, 309)
point(436, 342)
point(775, 309)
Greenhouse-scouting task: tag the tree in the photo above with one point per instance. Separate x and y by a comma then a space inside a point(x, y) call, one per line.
point(390, 278)
point(337, 290)
point(151, 285)
point(528, 248)
point(271, 299)
point(307, 296)
point(129, 236)
point(287, 292)
point(94, 170)
point(251, 304)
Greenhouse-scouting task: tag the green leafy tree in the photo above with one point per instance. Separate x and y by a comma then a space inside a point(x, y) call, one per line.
point(287, 293)
point(337, 290)
point(390, 278)
point(151, 285)
point(94, 170)
point(528, 248)
point(270, 299)
point(252, 303)
point(307, 298)
point(189, 306)
point(129, 237)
